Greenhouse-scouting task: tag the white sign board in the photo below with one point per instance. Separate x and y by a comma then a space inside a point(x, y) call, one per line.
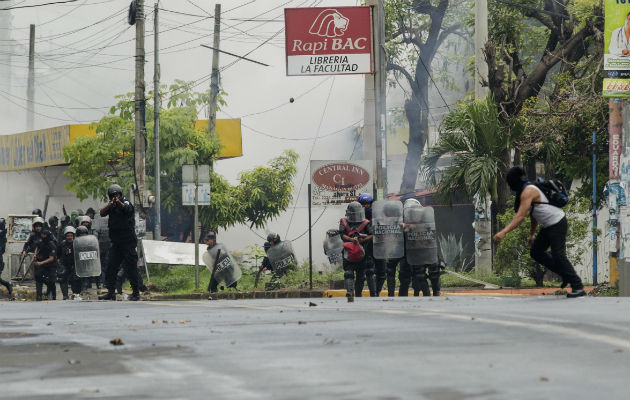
point(173, 253)
point(203, 173)
point(339, 182)
point(188, 194)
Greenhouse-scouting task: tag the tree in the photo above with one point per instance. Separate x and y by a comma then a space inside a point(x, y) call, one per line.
point(415, 29)
point(569, 34)
point(476, 140)
point(96, 162)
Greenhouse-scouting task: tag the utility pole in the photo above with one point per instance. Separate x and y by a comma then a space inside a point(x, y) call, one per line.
point(483, 224)
point(140, 143)
point(214, 81)
point(157, 231)
point(481, 37)
point(30, 91)
point(374, 102)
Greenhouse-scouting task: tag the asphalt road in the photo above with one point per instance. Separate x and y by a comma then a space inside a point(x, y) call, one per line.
point(415, 348)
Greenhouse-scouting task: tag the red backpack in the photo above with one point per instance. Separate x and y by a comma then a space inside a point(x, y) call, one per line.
point(354, 252)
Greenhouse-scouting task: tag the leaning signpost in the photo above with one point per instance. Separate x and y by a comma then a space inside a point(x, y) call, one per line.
point(196, 192)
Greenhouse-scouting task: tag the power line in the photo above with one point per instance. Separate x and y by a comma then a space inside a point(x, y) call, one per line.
point(321, 120)
point(38, 5)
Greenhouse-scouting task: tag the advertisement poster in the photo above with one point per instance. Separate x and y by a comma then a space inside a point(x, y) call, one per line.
point(328, 41)
point(616, 49)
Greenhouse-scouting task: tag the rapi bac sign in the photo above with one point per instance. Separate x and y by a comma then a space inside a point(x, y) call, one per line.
point(328, 41)
point(339, 182)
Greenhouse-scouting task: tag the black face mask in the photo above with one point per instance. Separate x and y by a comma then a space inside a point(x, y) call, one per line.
point(516, 179)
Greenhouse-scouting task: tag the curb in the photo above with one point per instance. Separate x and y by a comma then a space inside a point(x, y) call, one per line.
point(272, 294)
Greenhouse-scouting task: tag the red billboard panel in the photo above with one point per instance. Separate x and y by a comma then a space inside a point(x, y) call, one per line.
point(328, 41)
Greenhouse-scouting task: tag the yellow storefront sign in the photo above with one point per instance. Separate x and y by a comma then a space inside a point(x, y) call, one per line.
point(229, 131)
point(44, 147)
point(34, 149)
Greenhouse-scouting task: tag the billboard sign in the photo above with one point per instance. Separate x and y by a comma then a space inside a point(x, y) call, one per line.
point(328, 41)
point(339, 182)
point(616, 49)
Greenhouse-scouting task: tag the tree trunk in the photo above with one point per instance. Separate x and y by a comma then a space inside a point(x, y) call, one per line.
point(418, 118)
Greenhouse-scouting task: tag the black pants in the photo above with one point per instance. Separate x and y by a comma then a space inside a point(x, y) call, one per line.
point(122, 255)
point(46, 274)
point(404, 275)
point(555, 236)
point(2, 281)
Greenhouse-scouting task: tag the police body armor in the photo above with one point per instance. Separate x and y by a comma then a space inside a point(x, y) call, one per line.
point(420, 235)
point(333, 248)
point(227, 271)
point(87, 261)
point(387, 222)
point(281, 257)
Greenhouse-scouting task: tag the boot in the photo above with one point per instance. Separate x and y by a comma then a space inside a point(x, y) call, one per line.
point(39, 286)
point(108, 296)
point(379, 285)
point(64, 290)
point(349, 284)
point(371, 286)
point(391, 286)
point(134, 297)
point(358, 288)
point(403, 290)
point(435, 284)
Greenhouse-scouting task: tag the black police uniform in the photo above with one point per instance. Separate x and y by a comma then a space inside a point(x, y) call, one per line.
point(122, 235)
point(3, 245)
point(45, 274)
point(354, 286)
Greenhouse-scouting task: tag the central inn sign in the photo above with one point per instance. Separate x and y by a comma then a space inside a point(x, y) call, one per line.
point(328, 41)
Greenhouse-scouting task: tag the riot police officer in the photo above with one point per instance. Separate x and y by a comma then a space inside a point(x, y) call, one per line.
point(3, 244)
point(374, 269)
point(389, 244)
point(421, 247)
point(222, 268)
point(123, 238)
point(280, 259)
point(65, 272)
point(356, 232)
point(44, 250)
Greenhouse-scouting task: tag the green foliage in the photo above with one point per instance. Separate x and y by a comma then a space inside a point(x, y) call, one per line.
point(476, 139)
point(559, 133)
point(512, 257)
point(96, 162)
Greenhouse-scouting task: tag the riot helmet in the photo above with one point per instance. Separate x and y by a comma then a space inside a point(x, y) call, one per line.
point(38, 221)
point(84, 219)
point(266, 246)
point(332, 233)
point(355, 212)
point(273, 237)
point(69, 229)
point(391, 209)
point(37, 212)
point(412, 203)
point(82, 230)
point(90, 212)
point(365, 198)
point(53, 221)
point(113, 191)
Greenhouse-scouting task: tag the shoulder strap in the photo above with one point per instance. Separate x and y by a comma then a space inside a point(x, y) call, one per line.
point(365, 223)
point(344, 222)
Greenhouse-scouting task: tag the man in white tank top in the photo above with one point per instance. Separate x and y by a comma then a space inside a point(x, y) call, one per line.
point(553, 232)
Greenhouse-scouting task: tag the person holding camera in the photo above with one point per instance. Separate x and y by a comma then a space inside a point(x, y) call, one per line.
point(122, 235)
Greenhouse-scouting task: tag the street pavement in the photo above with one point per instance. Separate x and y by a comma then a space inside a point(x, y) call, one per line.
point(447, 348)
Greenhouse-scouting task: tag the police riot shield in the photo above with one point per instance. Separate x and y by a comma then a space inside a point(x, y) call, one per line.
point(87, 260)
point(227, 271)
point(281, 257)
point(387, 222)
point(333, 248)
point(421, 242)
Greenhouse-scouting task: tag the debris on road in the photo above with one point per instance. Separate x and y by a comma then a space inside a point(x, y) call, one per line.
point(116, 342)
